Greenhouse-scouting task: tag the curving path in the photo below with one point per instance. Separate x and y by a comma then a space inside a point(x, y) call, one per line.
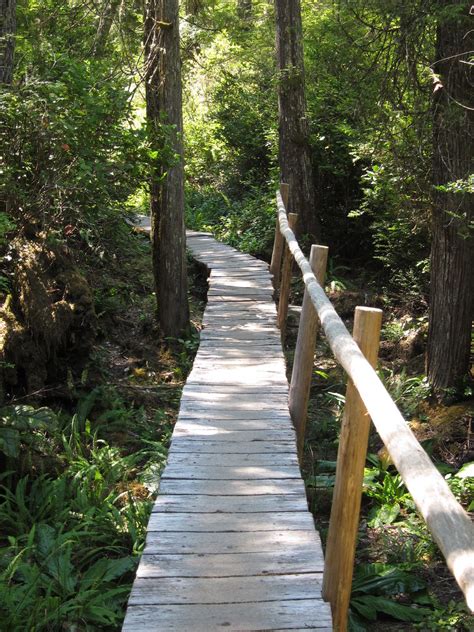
point(231, 544)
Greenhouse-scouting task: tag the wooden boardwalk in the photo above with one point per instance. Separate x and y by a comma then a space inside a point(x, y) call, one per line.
point(230, 541)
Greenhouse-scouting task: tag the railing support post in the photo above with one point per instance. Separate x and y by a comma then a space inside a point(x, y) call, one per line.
point(286, 274)
point(277, 254)
point(304, 352)
point(344, 521)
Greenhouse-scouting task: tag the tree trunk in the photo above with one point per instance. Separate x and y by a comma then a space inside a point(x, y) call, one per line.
point(294, 149)
point(164, 113)
point(109, 11)
point(7, 39)
point(452, 261)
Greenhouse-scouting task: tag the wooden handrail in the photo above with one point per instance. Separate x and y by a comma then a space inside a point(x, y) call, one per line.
point(447, 521)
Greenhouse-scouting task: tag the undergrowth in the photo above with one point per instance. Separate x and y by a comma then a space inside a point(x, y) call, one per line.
point(74, 504)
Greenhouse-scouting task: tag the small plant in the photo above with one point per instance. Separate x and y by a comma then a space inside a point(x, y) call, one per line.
point(407, 392)
point(387, 491)
point(378, 589)
point(462, 485)
point(393, 331)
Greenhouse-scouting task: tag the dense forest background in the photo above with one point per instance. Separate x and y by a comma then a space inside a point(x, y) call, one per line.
point(89, 384)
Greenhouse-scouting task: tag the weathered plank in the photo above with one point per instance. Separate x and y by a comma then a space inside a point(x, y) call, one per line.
point(220, 414)
point(233, 428)
point(203, 543)
point(231, 460)
point(228, 473)
point(230, 522)
point(217, 433)
point(297, 560)
point(303, 614)
point(226, 590)
point(232, 487)
point(176, 503)
point(211, 446)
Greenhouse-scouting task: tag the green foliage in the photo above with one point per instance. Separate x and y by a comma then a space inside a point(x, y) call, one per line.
point(7, 225)
point(387, 491)
point(247, 224)
point(72, 535)
point(406, 391)
point(375, 590)
point(72, 155)
point(462, 485)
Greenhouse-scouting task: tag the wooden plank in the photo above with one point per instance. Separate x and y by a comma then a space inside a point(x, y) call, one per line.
point(253, 411)
point(277, 615)
point(228, 389)
point(226, 473)
point(241, 284)
point(208, 427)
point(249, 408)
point(230, 522)
point(210, 446)
point(231, 460)
point(240, 377)
point(231, 357)
point(225, 590)
point(232, 487)
point(217, 433)
point(176, 503)
point(184, 543)
point(221, 329)
point(231, 394)
point(297, 560)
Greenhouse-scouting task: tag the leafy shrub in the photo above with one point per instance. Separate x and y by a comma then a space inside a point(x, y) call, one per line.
point(71, 155)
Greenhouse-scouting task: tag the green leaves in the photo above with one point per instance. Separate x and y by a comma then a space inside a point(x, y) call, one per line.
point(375, 589)
point(72, 537)
point(25, 424)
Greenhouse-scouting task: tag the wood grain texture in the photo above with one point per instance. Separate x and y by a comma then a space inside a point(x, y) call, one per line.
point(230, 522)
point(176, 503)
point(275, 615)
point(230, 542)
point(298, 560)
point(225, 590)
point(185, 543)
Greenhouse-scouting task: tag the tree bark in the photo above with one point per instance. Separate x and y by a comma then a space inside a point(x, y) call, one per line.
point(109, 11)
point(294, 149)
point(452, 261)
point(164, 113)
point(7, 39)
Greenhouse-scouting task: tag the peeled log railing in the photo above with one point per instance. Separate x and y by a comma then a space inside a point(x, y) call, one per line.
point(366, 399)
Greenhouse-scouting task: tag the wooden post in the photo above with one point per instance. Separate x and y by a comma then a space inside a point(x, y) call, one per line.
point(275, 265)
point(286, 274)
point(304, 352)
point(344, 521)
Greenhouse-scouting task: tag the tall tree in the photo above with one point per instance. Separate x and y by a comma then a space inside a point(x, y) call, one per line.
point(109, 10)
point(294, 149)
point(7, 39)
point(164, 113)
point(452, 262)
